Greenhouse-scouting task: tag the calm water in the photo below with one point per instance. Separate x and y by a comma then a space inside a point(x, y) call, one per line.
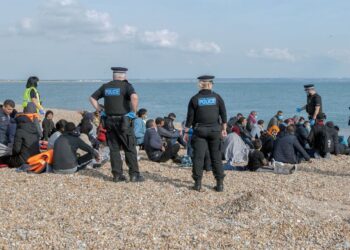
point(160, 97)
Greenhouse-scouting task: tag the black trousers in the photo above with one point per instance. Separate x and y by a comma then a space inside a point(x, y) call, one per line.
point(205, 138)
point(170, 152)
point(120, 135)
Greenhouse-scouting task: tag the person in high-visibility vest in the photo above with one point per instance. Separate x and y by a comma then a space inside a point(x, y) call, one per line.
point(31, 94)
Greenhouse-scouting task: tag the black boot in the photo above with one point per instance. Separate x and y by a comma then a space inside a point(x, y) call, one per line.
point(197, 185)
point(119, 178)
point(219, 186)
point(137, 178)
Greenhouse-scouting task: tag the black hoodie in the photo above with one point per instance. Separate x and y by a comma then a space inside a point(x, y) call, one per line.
point(65, 151)
point(332, 138)
point(26, 142)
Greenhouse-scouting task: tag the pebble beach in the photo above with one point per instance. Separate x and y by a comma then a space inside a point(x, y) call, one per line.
point(309, 209)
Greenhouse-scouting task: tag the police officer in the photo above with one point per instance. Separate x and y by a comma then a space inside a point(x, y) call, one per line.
point(314, 104)
point(207, 116)
point(120, 104)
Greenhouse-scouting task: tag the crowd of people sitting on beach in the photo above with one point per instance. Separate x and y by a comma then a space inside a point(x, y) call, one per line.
point(32, 145)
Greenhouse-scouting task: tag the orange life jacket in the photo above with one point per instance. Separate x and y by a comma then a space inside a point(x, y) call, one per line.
point(39, 162)
point(31, 116)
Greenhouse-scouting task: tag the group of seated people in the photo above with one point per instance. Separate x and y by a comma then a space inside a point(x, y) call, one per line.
point(290, 141)
point(22, 137)
point(287, 141)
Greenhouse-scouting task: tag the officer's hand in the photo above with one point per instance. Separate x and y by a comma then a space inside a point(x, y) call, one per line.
point(299, 110)
point(312, 122)
point(224, 133)
point(131, 115)
point(42, 112)
point(163, 149)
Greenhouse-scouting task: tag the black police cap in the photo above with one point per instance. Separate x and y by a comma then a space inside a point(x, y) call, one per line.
point(309, 86)
point(171, 115)
point(206, 78)
point(119, 69)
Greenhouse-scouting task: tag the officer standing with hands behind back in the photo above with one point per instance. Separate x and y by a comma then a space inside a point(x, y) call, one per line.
point(120, 104)
point(207, 116)
point(314, 104)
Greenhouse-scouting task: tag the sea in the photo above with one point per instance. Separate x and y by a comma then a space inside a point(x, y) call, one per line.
point(162, 96)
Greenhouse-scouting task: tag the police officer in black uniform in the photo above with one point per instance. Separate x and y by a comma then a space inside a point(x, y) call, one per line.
point(207, 116)
point(120, 104)
point(314, 104)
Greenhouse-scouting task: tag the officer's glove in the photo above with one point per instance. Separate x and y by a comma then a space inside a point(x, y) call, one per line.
point(312, 122)
point(42, 112)
point(131, 115)
point(299, 110)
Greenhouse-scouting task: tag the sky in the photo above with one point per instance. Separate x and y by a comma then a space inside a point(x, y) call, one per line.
point(77, 39)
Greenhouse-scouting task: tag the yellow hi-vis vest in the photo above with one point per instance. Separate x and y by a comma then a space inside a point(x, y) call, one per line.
point(27, 98)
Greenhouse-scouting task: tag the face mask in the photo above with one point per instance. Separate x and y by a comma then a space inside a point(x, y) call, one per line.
point(145, 117)
point(256, 117)
point(280, 117)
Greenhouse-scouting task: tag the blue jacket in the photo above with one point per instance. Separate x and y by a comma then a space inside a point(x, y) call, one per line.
point(140, 130)
point(286, 148)
point(5, 121)
point(153, 144)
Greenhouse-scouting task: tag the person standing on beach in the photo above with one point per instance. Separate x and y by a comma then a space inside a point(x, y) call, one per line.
point(314, 104)
point(31, 94)
point(207, 116)
point(120, 106)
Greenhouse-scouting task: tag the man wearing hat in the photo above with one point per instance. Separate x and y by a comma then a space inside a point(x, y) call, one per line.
point(314, 103)
point(207, 116)
point(120, 104)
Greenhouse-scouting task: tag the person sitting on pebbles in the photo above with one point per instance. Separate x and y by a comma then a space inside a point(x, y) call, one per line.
point(65, 160)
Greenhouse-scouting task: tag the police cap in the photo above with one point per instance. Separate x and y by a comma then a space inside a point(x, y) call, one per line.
point(172, 115)
point(119, 69)
point(206, 78)
point(309, 86)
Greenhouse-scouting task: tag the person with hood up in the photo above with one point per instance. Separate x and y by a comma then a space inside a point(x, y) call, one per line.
point(26, 142)
point(287, 148)
point(332, 138)
point(65, 160)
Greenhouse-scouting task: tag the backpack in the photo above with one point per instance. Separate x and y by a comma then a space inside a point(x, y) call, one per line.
point(101, 133)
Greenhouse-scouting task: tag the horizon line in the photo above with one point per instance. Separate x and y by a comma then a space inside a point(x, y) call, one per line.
point(183, 78)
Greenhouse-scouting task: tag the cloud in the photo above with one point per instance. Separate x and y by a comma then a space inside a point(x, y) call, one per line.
point(69, 19)
point(273, 54)
point(204, 47)
point(162, 38)
point(342, 55)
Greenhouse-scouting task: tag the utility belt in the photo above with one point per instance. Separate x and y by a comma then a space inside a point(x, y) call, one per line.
point(122, 122)
point(205, 125)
